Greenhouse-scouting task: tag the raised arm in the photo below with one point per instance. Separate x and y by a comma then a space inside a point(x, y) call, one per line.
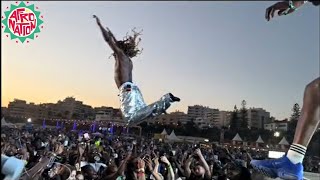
point(120, 170)
point(165, 160)
point(36, 169)
point(282, 8)
point(153, 170)
point(204, 164)
point(179, 167)
point(187, 169)
point(108, 37)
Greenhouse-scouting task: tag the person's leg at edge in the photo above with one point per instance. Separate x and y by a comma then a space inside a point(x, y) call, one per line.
point(308, 122)
point(290, 166)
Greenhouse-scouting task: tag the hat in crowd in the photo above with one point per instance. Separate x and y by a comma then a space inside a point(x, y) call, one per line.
point(11, 167)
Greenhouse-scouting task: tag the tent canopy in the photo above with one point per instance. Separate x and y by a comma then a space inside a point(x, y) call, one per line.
point(237, 138)
point(173, 137)
point(259, 140)
point(4, 123)
point(164, 132)
point(284, 141)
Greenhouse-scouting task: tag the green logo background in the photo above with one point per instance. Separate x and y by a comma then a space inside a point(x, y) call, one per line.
point(14, 7)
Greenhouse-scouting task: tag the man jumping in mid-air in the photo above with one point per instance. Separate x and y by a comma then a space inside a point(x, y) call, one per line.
point(133, 107)
point(290, 166)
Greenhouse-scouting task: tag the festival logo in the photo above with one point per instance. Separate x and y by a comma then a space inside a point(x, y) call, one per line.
point(22, 21)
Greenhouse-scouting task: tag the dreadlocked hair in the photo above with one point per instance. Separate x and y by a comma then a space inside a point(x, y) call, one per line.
point(130, 43)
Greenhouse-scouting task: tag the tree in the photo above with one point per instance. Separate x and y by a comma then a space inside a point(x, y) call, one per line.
point(294, 117)
point(234, 122)
point(66, 114)
point(75, 116)
point(295, 112)
point(191, 128)
point(50, 113)
point(244, 115)
point(59, 115)
point(224, 128)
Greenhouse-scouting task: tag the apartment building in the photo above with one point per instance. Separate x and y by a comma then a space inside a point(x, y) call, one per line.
point(108, 114)
point(258, 117)
point(69, 108)
point(18, 108)
point(204, 116)
point(277, 126)
point(173, 118)
point(224, 118)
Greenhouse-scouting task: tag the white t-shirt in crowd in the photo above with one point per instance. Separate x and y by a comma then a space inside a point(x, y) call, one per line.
point(96, 166)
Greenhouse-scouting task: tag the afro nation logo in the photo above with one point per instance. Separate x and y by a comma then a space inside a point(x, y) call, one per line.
point(22, 21)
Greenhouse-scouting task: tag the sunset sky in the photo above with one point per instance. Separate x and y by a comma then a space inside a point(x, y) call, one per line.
point(210, 53)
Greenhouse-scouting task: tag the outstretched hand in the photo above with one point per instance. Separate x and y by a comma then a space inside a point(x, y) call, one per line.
point(97, 19)
point(165, 160)
point(283, 8)
point(198, 152)
point(148, 163)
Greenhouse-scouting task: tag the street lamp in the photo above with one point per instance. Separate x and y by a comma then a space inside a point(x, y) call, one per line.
point(29, 120)
point(276, 134)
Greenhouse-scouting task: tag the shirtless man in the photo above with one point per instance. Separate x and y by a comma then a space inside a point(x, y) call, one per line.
point(133, 107)
point(290, 166)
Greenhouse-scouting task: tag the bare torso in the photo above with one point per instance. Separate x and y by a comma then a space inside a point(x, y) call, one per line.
point(123, 70)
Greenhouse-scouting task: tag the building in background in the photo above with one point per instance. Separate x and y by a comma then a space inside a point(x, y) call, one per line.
point(174, 118)
point(212, 116)
point(197, 111)
point(202, 123)
point(258, 117)
point(49, 111)
point(20, 108)
point(224, 118)
point(69, 108)
point(277, 125)
point(108, 114)
point(204, 116)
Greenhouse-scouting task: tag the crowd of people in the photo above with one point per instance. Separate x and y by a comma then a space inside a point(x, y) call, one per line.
point(72, 155)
